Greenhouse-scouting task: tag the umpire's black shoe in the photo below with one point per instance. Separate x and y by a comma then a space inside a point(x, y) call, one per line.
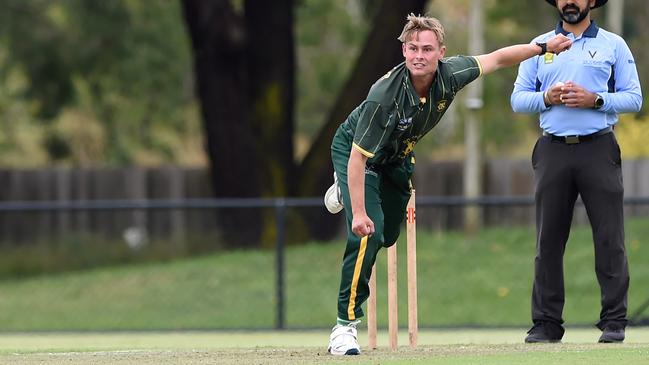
point(544, 332)
point(613, 332)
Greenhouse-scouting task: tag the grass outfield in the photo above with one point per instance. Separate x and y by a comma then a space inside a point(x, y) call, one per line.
point(457, 346)
point(483, 280)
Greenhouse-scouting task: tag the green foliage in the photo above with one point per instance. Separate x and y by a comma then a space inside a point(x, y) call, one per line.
point(107, 82)
point(329, 34)
point(111, 82)
point(632, 135)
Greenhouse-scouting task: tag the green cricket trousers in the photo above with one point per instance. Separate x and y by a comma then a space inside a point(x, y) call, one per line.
point(387, 191)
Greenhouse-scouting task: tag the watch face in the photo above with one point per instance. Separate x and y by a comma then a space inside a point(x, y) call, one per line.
point(599, 102)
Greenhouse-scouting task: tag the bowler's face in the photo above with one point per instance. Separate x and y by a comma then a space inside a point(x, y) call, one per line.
point(422, 52)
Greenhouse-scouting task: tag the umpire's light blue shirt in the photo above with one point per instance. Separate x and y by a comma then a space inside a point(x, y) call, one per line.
point(600, 62)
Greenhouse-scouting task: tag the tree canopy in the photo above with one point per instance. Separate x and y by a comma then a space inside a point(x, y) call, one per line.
point(111, 82)
point(96, 83)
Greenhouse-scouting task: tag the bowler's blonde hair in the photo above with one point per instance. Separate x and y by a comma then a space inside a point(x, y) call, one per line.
point(418, 23)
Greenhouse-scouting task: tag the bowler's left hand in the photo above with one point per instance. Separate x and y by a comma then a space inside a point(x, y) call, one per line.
point(558, 44)
point(575, 96)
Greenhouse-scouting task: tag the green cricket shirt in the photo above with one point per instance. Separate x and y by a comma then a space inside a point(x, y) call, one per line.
point(393, 118)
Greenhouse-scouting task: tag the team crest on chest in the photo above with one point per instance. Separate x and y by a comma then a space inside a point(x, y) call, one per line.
point(441, 105)
point(408, 146)
point(404, 124)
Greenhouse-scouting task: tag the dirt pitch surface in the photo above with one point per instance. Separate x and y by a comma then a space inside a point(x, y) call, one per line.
point(440, 347)
point(438, 354)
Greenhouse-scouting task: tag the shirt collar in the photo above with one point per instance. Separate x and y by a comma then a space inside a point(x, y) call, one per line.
point(590, 32)
point(413, 96)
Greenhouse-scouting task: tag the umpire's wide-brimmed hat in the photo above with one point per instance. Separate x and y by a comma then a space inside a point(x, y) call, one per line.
point(598, 3)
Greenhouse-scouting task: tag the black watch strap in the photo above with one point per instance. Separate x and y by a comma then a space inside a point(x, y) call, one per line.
point(544, 48)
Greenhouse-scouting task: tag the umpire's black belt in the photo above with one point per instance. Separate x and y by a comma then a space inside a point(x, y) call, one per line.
point(578, 139)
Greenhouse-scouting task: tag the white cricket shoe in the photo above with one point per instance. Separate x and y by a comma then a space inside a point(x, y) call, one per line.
point(344, 340)
point(333, 197)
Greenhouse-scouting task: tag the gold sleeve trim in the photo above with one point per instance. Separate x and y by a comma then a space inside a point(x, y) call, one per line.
point(479, 64)
point(361, 150)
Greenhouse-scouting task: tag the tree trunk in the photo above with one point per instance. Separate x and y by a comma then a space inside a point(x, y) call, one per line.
point(271, 67)
point(244, 67)
point(635, 27)
point(381, 52)
point(219, 42)
point(244, 75)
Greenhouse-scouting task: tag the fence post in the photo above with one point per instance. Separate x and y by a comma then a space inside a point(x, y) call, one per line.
point(280, 219)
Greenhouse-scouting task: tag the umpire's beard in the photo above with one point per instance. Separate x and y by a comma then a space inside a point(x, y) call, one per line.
point(573, 18)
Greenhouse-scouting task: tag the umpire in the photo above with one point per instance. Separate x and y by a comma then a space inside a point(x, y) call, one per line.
point(578, 94)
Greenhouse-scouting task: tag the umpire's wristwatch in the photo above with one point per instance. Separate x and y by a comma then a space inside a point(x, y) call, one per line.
point(599, 102)
point(544, 48)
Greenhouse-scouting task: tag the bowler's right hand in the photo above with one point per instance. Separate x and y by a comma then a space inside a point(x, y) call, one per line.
point(362, 225)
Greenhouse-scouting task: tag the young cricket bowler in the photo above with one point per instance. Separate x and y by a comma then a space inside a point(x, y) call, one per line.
point(372, 151)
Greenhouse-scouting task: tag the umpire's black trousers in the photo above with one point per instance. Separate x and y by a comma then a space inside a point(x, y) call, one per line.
point(562, 171)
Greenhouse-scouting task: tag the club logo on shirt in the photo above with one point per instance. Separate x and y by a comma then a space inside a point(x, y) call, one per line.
point(592, 54)
point(593, 63)
point(441, 105)
point(408, 146)
point(369, 171)
point(548, 57)
point(404, 124)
